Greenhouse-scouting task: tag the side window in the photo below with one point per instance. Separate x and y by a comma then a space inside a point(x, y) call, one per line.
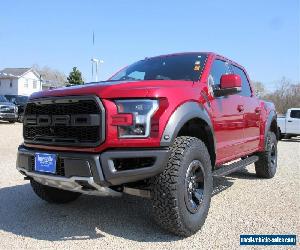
point(218, 69)
point(295, 114)
point(137, 75)
point(246, 90)
point(34, 84)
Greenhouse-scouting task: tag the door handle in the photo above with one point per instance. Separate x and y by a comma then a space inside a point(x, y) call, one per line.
point(240, 108)
point(257, 110)
point(289, 121)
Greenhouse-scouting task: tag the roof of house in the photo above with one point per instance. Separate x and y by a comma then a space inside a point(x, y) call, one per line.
point(15, 72)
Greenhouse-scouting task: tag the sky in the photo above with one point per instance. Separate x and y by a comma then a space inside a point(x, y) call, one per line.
point(263, 36)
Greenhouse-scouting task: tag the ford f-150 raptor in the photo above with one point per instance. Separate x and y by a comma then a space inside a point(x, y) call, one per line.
point(160, 128)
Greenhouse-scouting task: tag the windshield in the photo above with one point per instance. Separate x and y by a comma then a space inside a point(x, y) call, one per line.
point(186, 67)
point(3, 99)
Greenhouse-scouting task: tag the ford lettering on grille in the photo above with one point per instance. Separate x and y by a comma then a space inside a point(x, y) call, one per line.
point(62, 120)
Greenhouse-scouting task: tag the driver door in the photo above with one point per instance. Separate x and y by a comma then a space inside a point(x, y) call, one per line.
point(228, 119)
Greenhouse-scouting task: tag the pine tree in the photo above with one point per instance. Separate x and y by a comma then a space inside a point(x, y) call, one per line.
point(75, 77)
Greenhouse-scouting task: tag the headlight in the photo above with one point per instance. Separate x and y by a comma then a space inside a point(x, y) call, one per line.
point(142, 110)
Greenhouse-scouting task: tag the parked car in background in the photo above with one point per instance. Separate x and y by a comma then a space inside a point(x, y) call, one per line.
point(289, 125)
point(20, 101)
point(8, 110)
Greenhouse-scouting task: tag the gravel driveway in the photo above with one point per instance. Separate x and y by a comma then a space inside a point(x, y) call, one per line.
point(242, 204)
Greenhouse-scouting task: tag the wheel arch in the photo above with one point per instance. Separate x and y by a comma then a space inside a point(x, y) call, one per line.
point(191, 119)
point(271, 125)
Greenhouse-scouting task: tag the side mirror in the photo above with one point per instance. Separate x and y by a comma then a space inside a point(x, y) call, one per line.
point(230, 84)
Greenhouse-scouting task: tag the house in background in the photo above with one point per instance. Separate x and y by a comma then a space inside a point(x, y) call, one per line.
point(19, 81)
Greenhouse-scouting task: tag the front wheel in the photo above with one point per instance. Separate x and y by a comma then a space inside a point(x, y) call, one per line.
point(21, 118)
point(182, 192)
point(266, 166)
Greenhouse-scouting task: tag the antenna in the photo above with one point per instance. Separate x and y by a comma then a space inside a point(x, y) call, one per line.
point(95, 62)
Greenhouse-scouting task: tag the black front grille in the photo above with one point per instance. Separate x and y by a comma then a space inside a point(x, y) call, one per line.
point(7, 110)
point(60, 166)
point(69, 108)
point(63, 133)
point(73, 121)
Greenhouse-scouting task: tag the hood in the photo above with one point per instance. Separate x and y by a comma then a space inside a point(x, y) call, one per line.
point(117, 89)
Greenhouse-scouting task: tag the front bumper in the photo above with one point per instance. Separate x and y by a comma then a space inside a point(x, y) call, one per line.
point(83, 172)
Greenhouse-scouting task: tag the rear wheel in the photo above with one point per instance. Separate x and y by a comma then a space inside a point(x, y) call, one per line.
point(182, 192)
point(280, 135)
point(53, 195)
point(266, 166)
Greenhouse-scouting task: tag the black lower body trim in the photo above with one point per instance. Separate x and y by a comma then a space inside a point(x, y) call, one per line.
point(107, 169)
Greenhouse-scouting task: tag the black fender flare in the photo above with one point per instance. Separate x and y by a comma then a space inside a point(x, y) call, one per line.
point(271, 117)
point(184, 113)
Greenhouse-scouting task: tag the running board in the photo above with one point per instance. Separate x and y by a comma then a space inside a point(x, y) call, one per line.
point(137, 192)
point(228, 169)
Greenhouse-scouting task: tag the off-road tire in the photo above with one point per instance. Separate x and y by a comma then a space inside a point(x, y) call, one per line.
point(21, 118)
point(280, 135)
point(53, 195)
point(266, 166)
point(168, 188)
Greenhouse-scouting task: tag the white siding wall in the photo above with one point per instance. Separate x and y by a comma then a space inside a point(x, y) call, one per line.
point(5, 88)
point(28, 78)
point(19, 86)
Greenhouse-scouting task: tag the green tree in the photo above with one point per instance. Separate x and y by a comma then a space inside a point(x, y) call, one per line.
point(75, 77)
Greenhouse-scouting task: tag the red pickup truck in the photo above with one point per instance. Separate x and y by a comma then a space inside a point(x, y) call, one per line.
point(161, 128)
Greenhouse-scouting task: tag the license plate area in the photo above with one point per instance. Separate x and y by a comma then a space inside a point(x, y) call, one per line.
point(45, 163)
